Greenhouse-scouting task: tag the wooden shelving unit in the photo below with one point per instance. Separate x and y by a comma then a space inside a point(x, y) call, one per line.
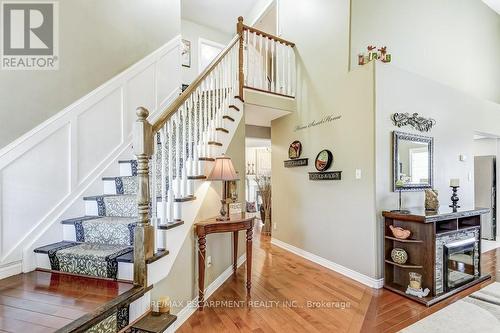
point(404, 240)
point(421, 246)
point(410, 266)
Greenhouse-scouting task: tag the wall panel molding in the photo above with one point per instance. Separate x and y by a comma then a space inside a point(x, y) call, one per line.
point(97, 131)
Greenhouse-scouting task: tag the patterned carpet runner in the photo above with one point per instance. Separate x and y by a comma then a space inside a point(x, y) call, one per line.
point(88, 259)
point(102, 241)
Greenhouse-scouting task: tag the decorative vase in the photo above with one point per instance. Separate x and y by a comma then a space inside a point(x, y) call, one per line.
point(399, 256)
point(431, 200)
point(266, 230)
point(399, 232)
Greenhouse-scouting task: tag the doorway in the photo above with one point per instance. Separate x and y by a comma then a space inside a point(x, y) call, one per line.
point(258, 178)
point(486, 150)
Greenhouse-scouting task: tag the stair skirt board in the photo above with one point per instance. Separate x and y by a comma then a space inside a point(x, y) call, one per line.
point(99, 260)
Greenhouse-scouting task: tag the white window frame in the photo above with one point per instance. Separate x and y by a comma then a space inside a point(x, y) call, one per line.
point(208, 42)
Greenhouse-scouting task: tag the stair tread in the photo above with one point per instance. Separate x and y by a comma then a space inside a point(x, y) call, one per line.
point(46, 248)
point(170, 225)
point(158, 198)
point(118, 219)
point(154, 324)
point(129, 257)
point(103, 219)
point(95, 249)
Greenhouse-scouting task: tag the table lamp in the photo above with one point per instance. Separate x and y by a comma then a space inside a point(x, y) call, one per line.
point(223, 170)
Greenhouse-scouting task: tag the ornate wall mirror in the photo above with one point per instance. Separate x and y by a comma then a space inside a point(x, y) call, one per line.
point(412, 161)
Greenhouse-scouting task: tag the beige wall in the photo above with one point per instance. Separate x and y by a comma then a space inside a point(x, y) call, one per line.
point(193, 32)
point(455, 42)
point(458, 117)
point(182, 282)
point(332, 219)
point(98, 39)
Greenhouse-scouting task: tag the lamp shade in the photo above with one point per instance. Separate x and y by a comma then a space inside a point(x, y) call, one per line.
point(223, 169)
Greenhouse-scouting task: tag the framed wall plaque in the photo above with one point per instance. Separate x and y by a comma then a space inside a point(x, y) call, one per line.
point(324, 160)
point(295, 150)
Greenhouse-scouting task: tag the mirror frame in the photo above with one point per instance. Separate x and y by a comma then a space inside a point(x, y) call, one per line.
point(396, 137)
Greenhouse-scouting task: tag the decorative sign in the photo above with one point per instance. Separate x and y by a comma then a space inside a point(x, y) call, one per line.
point(417, 122)
point(296, 162)
point(330, 175)
point(323, 160)
point(295, 150)
point(313, 123)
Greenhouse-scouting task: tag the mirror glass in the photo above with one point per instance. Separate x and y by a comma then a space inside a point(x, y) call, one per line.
point(412, 161)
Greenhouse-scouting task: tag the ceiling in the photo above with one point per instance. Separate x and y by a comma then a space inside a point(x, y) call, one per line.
point(217, 14)
point(494, 4)
point(262, 116)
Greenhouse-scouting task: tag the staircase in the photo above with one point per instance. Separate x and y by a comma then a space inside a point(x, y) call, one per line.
point(133, 230)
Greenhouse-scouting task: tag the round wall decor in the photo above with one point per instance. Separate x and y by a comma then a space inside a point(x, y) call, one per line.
point(295, 150)
point(324, 160)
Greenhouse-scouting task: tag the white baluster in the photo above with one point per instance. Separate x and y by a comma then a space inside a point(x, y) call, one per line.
point(266, 65)
point(160, 234)
point(153, 166)
point(184, 154)
point(196, 162)
point(259, 68)
point(170, 193)
point(178, 152)
point(283, 63)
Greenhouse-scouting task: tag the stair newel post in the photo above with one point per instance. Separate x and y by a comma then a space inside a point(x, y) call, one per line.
point(239, 29)
point(143, 232)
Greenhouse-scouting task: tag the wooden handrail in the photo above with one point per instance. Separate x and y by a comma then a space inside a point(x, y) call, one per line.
point(177, 103)
point(265, 34)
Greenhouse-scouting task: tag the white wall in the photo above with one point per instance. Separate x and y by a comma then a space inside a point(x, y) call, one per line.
point(44, 174)
point(455, 42)
point(193, 32)
point(458, 117)
point(98, 40)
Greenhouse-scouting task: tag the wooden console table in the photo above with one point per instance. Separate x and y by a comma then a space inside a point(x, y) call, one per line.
point(235, 224)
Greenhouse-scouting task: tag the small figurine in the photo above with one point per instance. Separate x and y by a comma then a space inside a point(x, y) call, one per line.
point(399, 232)
point(431, 200)
point(418, 292)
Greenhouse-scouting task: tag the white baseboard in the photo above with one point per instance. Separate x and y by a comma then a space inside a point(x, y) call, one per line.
point(366, 280)
point(189, 309)
point(11, 269)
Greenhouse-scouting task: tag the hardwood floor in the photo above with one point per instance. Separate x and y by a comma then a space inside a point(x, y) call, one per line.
point(291, 294)
point(44, 302)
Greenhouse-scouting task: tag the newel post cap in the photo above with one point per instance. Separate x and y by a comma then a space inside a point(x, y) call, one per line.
point(142, 113)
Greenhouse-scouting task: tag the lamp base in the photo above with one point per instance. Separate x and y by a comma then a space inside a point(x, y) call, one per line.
point(224, 216)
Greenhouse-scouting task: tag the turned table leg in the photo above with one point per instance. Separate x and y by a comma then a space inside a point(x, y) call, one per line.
point(249, 259)
point(235, 251)
point(201, 271)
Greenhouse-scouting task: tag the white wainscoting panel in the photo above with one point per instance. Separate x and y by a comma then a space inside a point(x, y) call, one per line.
point(45, 172)
point(32, 186)
point(143, 86)
point(99, 133)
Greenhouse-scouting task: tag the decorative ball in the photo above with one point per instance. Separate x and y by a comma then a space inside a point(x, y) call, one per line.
point(399, 256)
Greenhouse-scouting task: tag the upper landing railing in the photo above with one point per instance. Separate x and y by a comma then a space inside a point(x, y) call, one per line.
point(170, 150)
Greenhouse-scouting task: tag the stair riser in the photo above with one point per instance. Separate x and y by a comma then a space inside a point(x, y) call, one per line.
point(125, 269)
